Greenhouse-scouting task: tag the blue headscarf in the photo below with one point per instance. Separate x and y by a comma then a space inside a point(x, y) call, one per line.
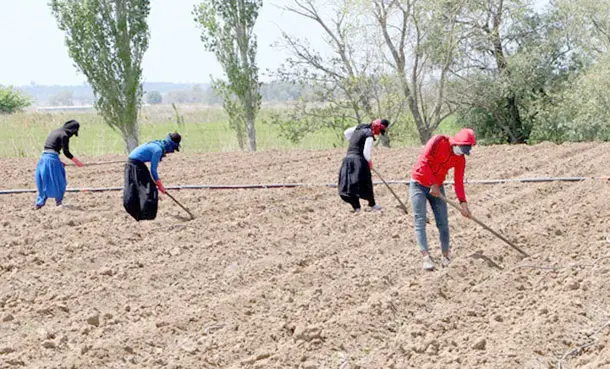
point(170, 145)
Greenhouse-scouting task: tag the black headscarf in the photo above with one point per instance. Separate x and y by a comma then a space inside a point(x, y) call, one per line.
point(71, 127)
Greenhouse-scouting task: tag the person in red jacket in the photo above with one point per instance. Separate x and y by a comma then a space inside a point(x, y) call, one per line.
point(440, 154)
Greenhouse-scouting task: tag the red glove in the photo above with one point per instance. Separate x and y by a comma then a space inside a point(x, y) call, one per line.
point(160, 186)
point(370, 164)
point(78, 162)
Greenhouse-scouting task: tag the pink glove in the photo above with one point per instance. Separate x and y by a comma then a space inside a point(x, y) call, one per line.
point(78, 163)
point(160, 186)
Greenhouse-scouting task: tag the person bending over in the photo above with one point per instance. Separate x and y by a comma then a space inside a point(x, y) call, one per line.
point(355, 180)
point(50, 172)
point(440, 154)
point(140, 190)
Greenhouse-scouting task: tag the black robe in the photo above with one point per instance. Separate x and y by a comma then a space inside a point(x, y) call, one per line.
point(355, 176)
point(140, 194)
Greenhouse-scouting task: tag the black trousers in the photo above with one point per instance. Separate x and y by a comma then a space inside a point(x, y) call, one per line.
point(355, 201)
point(140, 195)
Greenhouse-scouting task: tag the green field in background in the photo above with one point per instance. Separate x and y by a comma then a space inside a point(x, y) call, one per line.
point(205, 129)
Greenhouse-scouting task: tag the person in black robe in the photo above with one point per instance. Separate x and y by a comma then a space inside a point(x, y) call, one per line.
point(355, 180)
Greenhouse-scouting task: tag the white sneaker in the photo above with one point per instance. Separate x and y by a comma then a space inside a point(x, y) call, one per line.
point(445, 261)
point(376, 208)
point(356, 211)
point(428, 263)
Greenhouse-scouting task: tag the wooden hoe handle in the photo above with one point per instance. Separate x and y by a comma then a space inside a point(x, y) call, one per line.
point(455, 205)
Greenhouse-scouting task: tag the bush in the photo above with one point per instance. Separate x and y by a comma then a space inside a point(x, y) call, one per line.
point(579, 112)
point(12, 100)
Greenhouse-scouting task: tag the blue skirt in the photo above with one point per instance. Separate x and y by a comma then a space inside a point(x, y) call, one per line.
point(50, 178)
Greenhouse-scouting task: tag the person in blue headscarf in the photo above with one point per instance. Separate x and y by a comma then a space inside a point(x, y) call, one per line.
point(50, 173)
point(140, 191)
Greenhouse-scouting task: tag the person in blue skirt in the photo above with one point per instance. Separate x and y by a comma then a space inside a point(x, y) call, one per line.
point(50, 173)
point(140, 191)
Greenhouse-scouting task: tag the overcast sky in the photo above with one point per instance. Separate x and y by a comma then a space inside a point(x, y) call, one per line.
point(33, 49)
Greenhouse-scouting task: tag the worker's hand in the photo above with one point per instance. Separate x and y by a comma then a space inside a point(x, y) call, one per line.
point(78, 162)
point(64, 164)
point(370, 164)
point(464, 210)
point(435, 190)
point(160, 186)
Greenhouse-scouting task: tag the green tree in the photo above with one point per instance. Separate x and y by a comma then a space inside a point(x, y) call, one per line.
point(228, 31)
point(495, 108)
point(349, 86)
point(107, 40)
point(587, 22)
point(12, 100)
point(515, 63)
point(421, 38)
point(579, 108)
point(580, 111)
point(154, 97)
point(390, 58)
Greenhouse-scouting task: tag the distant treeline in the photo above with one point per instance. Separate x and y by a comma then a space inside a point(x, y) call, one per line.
point(183, 93)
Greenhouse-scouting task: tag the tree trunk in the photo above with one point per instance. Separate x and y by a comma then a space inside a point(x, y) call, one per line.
point(130, 136)
point(131, 141)
point(251, 129)
point(248, 97)
point(518, 135)
point(422, 128)
point(239, 132)
point(424, 131)
point(518, 131)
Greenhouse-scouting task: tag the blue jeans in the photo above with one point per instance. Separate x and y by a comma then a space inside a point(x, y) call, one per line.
point(419, 194)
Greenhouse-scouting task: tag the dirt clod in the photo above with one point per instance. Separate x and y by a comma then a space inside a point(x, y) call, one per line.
point(94, 320)
point(480, 344)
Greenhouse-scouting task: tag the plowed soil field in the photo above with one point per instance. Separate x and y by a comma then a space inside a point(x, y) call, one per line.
point(291, 278)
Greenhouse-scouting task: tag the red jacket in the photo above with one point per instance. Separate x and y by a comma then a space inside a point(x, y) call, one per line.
point(434, 162)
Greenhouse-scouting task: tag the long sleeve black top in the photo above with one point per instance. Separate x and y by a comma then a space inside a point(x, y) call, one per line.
point(59, 139)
